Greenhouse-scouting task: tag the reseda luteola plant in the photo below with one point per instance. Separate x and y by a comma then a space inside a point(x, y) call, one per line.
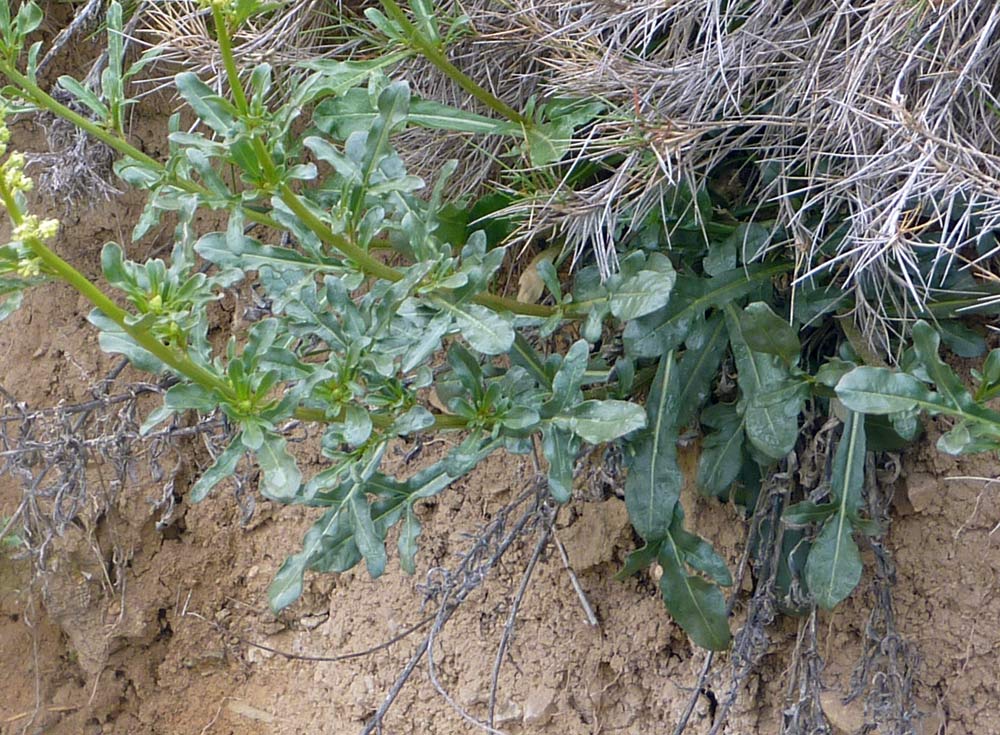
point(349, 340)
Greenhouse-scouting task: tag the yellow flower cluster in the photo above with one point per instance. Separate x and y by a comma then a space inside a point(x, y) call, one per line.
point(29, 268)
point(12, 171)
point(28, 228)
point(31, 227)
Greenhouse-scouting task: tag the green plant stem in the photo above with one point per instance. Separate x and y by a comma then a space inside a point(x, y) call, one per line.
point(179, 362)
point(434, 55)
point(374, 267)
point(228, 60)
point(35, 94)
point(239, 95)
point(361, 258)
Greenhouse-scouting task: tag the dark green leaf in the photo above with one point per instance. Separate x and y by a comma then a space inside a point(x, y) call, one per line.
point(848, 476)
point(721, 451)
point(750, 239)
point(772, 405)
point(960, 339)
point(833, 568)
point(771, 418)
point(698, 367)
point(697, 605)
point(697, 552)
point(721, 257)
point(654, 334)
point(948, 384)
point(765, 331)
point(831, 371)
point(638, 560)
point(654, 479)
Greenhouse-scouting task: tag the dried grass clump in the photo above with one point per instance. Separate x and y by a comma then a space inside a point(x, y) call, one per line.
point(876, 122)
point(76, 168)
point(878, 116)
point(179, 34)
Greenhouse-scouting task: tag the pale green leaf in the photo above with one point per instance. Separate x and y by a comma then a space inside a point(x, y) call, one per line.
point(224, 466)
point(485, 330)
point(366, 536)
point(602, 421)
point(280, 475)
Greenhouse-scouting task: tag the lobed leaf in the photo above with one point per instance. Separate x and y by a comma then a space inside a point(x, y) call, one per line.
point(224, 466)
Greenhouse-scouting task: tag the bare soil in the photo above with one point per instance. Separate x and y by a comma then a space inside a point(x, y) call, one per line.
point(143, 630)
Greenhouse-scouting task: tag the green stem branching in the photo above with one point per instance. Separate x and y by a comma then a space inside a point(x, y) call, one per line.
point(434, 55)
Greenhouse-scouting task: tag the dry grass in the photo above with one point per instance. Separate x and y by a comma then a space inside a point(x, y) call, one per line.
point(178, 33)
point(877, 121)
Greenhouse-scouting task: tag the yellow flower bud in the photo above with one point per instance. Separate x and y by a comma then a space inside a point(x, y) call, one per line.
point(29, 268)
point(48, 229)
point(28, 228)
